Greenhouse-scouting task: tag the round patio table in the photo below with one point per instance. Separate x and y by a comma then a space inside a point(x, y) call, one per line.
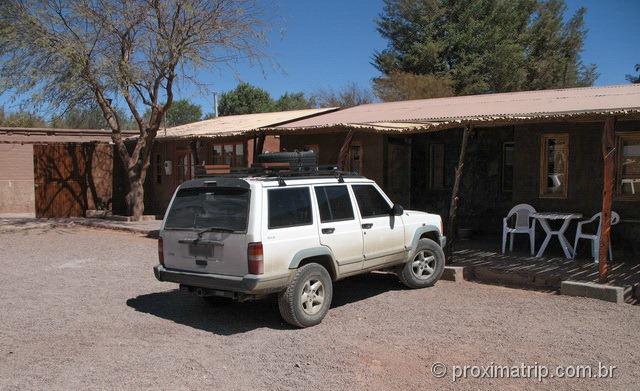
point(543, 218)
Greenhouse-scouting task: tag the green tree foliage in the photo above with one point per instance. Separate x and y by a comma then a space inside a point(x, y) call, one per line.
point(90, 117)
point(635, 79)
point(293, 101)
point(348, 96)
point(483, 46)
point(21, 119)
point(245, 99)
point(405, 86)
point(183, 112)
point(248, 99)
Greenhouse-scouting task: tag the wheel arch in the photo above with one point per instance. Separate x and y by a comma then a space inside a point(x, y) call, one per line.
point(320, 255)
point(426, 232)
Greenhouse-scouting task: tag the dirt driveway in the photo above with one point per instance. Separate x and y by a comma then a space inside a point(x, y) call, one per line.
point(80, 309)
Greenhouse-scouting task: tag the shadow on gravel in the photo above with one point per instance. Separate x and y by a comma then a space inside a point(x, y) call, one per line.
point(235, 318)
point(223, 319)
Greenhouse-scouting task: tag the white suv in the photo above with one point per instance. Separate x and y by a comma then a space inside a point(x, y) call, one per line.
point(244, 238)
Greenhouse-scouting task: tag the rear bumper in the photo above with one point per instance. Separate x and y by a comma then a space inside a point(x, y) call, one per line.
point(443, 241)
point(249, 284)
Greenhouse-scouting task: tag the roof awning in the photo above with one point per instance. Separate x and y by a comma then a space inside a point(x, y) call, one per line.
point(424, 115)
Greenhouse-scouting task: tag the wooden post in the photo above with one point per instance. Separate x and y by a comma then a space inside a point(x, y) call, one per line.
point(344, 150)
point(453, 206)
point(258, 145)
point(194, 151)
point(608, 155)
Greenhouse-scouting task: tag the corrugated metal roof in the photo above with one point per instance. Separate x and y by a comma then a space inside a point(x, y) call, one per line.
point(52, 135)
point(440, 113)
point(236, 125)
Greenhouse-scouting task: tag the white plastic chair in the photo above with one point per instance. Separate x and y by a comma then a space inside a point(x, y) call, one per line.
point(524, 225)
point(594, 238)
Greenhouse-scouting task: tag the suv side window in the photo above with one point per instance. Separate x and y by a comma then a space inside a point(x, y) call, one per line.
point(334, 203)
point(370, 201)
point(289, 207)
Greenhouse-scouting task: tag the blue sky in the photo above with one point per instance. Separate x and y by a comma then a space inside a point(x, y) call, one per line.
point(326, 44)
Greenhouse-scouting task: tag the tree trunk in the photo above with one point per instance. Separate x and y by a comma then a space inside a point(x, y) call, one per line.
point(135, 199)
point(453, 206)
point(344, 150)
point(608, 155)
point(135, 166)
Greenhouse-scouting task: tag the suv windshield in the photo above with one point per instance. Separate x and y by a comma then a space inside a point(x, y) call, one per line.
point(199, 208)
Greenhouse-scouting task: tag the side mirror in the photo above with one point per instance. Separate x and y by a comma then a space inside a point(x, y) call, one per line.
point(396, 210)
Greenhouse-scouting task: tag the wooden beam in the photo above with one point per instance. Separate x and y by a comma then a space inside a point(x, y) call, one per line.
point(453, 206)
point(344, 150)
point(608, 155)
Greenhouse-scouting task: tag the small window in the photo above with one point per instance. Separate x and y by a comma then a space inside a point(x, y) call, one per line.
point(554, 165)
point(239, 159)
point(355, 158)
point(289, 207)
point(629, 166)
point(436, 166)
point(370, 202)
point(217, 154)
point(228, 155)
point(334, 203)
point(507, 167)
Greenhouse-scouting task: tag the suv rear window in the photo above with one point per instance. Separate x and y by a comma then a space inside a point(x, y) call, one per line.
point(370, 201)
point(225, 208)
point(289, 207)
point(334, 203)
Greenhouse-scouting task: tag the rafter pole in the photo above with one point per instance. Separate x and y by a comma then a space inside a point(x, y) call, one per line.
point(608, 155)
point(455, 200)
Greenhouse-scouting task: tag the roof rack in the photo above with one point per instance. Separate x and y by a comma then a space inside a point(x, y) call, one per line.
point(282, 173)
point(281, 166)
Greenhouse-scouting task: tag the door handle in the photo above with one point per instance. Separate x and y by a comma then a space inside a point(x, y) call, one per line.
point(328, 231)
point(367, 225)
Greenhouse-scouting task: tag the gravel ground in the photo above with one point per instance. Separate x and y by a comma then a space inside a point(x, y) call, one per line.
point(82, 310)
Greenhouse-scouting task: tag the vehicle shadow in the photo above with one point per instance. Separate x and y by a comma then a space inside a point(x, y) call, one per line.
point(235, 318)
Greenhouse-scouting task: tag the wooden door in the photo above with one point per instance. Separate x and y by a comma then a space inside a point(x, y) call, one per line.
point(71, 178)
point(57, 189)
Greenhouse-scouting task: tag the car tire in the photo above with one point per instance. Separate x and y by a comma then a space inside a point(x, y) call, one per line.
point(425, 267)
point(307, 298)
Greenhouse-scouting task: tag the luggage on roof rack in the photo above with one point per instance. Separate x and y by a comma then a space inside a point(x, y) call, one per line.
point(300, 161)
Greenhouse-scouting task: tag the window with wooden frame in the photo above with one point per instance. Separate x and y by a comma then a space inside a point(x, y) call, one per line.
point(554, 165)
point(436, 166)
point(628, 175)
point(231, 154)
point(507, 166)
point(354, 161)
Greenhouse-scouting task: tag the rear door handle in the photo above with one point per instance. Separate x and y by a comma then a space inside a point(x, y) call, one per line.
point(328, 231)
point(367, 225)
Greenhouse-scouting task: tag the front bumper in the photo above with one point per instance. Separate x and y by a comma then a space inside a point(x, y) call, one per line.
point(443, 241)
point(249, 284)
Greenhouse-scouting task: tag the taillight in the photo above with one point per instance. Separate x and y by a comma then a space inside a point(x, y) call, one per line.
point(160, 251)
point(255, 258)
